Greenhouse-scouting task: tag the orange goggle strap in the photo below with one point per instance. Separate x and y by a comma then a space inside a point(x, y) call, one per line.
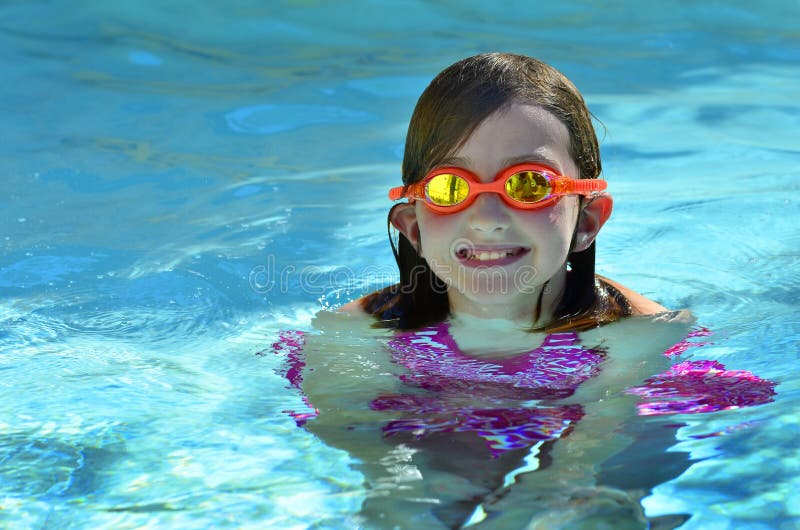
point(559, 185)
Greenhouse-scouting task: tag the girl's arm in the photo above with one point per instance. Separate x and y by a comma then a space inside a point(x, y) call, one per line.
point(345, 369)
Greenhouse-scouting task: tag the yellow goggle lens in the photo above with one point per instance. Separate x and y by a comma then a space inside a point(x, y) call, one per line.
point(528, 186)
point(447, 189)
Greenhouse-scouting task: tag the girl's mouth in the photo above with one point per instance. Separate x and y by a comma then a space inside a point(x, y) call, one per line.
point(489, 256)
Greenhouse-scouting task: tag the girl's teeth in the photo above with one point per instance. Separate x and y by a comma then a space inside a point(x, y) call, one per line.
point(488, 256)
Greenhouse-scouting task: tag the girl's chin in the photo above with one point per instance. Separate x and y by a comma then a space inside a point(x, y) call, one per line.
point(493, 282)
point(501, 285)
point(490, 297)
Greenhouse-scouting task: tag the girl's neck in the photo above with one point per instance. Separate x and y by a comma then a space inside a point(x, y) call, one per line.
point(522, 309)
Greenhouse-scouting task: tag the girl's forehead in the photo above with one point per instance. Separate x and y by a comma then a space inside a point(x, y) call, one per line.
point(518, 133)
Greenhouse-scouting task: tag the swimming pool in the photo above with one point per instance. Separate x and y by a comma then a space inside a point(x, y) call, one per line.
point(183, 180)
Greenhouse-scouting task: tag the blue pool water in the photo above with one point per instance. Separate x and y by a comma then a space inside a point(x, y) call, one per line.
point(182, 180)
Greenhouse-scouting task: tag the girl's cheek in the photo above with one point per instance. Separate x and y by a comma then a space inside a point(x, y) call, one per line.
point(434, 224)
point(563, 212)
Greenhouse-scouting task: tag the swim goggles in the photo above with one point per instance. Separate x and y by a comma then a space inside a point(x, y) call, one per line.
point(448, 190)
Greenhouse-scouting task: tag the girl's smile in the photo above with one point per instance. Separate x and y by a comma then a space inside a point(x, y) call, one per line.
point(488, 255)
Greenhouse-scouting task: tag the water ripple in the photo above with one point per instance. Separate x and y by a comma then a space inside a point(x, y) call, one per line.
point(271, 119)
point(163, 308)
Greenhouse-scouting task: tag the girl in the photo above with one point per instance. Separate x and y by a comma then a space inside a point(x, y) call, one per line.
point(485, 115)
point(482, 368)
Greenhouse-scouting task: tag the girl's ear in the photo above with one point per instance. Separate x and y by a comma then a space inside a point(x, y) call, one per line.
point(404, 217)
point(592, 218)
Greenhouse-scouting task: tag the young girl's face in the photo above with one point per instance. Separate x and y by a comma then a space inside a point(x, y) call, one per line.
point(495, 259)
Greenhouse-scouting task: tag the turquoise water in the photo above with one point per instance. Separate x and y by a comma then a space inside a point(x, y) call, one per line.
point(181, 180)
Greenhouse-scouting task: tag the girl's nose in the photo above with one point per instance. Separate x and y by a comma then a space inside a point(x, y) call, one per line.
point(489, 213)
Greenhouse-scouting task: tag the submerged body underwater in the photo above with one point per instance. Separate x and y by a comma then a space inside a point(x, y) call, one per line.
point(448, 439)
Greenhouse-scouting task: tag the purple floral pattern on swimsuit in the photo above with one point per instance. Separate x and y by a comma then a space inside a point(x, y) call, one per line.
point(688, 342)
point(692, 387)
point(551, 371)
point(503, 428)
point(289, 346)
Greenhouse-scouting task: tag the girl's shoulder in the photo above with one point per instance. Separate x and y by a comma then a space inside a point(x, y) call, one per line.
point(640, 305)
point(381, 303)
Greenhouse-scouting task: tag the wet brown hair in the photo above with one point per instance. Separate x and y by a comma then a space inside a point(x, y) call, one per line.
point(455, 103)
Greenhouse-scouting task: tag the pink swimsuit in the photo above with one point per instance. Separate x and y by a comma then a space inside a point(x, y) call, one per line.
point(483, 396)
point(500, 400)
